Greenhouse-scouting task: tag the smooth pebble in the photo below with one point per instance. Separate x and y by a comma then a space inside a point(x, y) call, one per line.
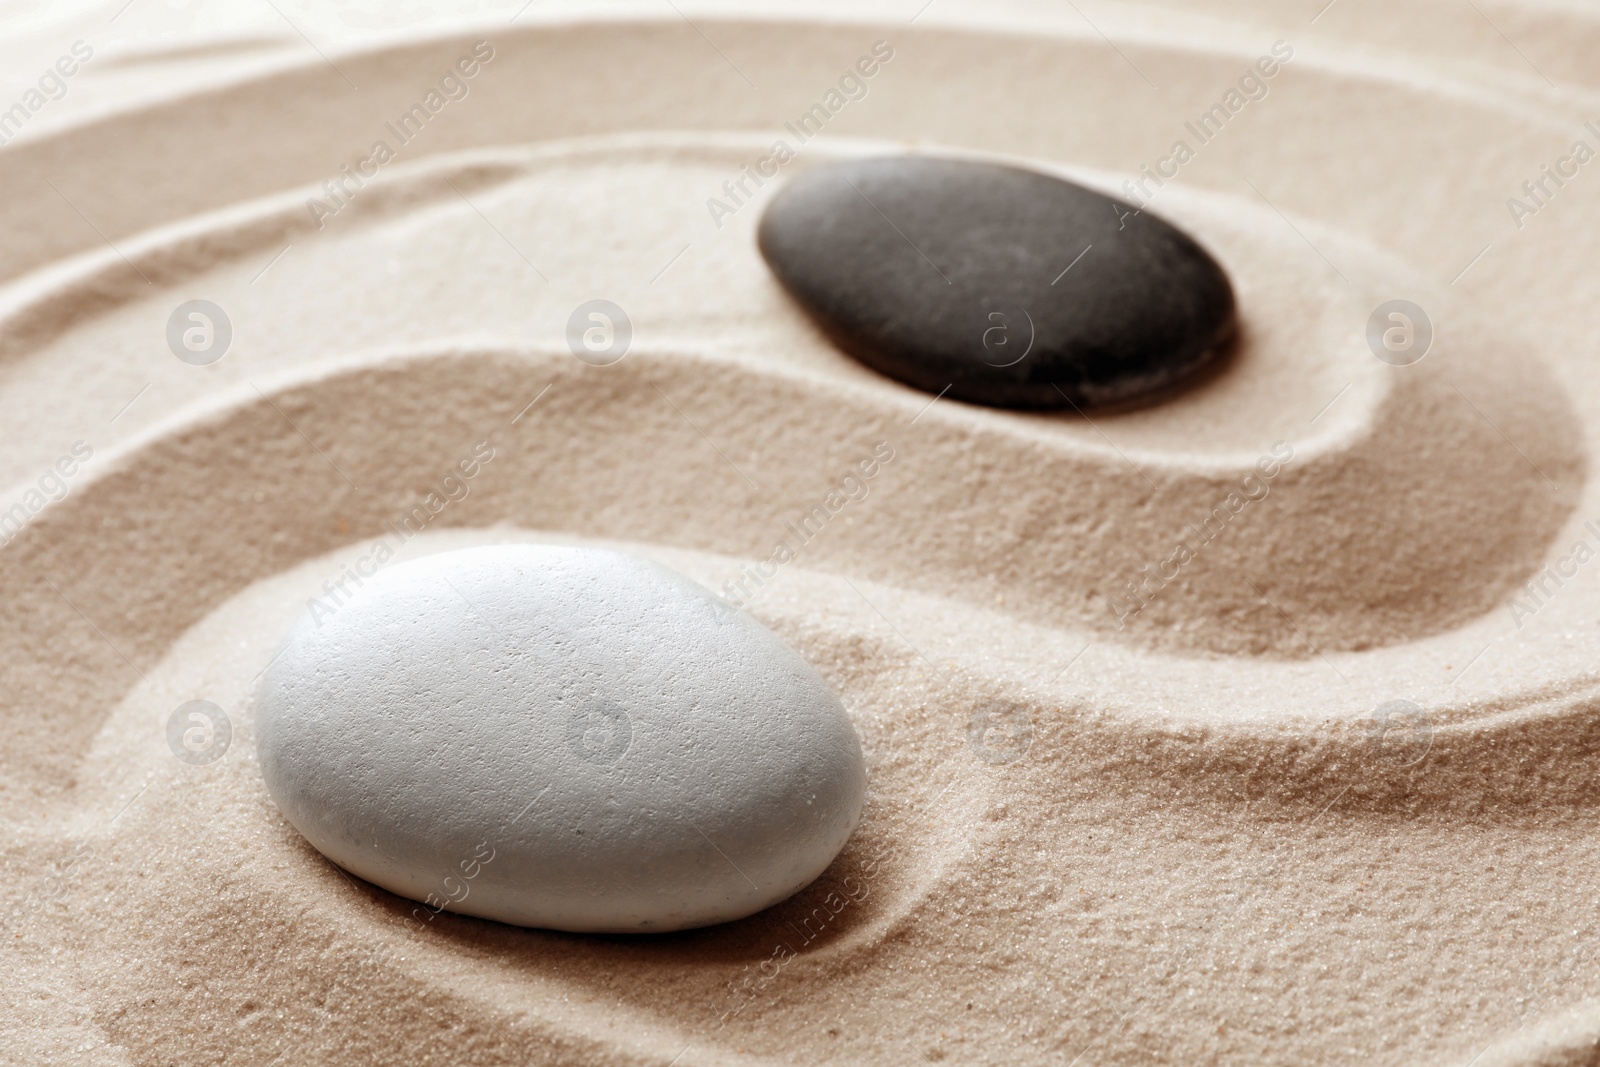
point(558, 737)
point(997, 285)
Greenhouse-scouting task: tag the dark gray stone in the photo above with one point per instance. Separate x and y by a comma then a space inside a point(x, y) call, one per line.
point(944, 272)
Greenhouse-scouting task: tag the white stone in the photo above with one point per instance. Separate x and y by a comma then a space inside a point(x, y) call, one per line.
point(559, 737)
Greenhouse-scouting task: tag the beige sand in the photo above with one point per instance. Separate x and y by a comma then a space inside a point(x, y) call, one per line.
point(1190, 838)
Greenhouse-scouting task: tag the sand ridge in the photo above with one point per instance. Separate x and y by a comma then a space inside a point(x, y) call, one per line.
point(1193, 837)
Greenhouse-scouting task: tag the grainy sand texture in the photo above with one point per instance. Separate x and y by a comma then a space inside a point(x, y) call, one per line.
point(1318, 786)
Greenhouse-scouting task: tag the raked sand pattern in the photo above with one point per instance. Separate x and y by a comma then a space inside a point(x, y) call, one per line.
point(1256, 726)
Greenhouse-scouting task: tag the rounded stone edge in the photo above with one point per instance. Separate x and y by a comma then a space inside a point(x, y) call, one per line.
point(1209, 357)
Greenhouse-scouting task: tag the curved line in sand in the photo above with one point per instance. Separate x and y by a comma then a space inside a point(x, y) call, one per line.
point(122, 547)
point(1371, 526)
point(120, 522)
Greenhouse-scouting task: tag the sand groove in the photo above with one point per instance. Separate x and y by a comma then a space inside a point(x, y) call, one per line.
point(1205, 851)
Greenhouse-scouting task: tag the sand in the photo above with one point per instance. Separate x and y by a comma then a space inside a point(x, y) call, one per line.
point(1204, 831)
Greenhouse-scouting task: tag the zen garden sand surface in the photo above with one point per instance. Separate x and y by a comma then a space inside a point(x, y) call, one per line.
point(1252, 725)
